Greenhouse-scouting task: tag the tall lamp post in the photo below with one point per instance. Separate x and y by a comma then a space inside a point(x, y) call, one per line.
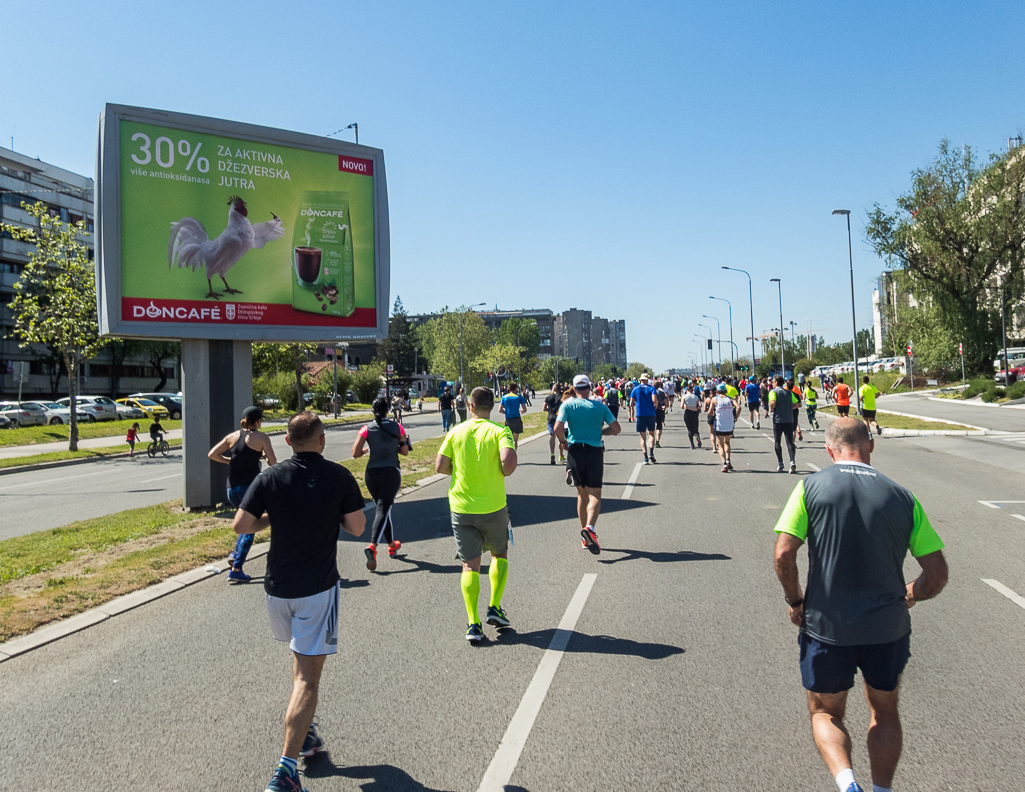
point(462, 317)
point(718, 338)
point(709, 329)
point(751, 300)
point(782, 338)
point(704, 371)
point(733, 364)
point(854, 318)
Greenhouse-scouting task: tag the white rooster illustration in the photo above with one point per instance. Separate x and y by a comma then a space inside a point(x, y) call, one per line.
point(191, 247)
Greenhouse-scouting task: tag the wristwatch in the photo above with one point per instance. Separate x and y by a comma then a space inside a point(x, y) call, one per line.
point(795, 603)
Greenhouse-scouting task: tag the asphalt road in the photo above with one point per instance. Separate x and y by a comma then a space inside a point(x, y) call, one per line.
point(1002, 419)
point(36, 500)
point(679, 674)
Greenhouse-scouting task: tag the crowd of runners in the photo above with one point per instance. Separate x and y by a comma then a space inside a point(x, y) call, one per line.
point(306, 499)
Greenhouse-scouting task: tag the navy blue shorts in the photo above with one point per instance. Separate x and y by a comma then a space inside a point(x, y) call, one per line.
point(645, 423)
point(828, 668)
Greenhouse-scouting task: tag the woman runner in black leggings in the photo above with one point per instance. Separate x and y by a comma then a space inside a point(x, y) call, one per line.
point(386, 439)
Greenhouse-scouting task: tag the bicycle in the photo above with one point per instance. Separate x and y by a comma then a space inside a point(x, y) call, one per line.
point(160, 445)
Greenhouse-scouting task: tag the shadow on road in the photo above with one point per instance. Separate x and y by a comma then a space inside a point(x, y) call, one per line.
point(660, 557)
point(379, 778)
point(589, 644)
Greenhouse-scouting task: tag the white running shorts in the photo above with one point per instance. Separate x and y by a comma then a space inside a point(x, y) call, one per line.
point(309, 624)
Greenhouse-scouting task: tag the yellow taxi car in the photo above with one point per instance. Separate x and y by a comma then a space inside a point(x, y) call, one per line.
point(151, 408)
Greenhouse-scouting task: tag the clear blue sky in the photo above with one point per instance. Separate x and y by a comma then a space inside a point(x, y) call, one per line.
point(609, 156)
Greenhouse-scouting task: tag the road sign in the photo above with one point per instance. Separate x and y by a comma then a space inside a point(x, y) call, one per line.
point(960, 349)
point(909, 350)
point(391, 369)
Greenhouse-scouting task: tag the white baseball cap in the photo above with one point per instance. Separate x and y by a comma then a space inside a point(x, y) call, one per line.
point(644, 377)
point(581, 381)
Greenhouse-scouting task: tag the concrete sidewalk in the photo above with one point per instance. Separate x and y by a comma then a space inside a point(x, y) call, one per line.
point(12, 452)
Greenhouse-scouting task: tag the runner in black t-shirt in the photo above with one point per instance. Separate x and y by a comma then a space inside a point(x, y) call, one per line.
point(304, 500)
point(552, 403)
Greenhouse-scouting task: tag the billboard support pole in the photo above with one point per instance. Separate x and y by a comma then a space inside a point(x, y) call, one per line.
point(217, 383)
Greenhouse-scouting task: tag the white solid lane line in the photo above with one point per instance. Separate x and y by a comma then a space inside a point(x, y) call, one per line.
point(1019, 516)
point(49, 483)
point(814, 467)
point(1014, 597)
point(633, 480)
point(508, 754)
point(160, 478)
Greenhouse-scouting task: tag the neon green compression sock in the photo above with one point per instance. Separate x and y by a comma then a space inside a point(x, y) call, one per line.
point(470, 584)
point(498, 571)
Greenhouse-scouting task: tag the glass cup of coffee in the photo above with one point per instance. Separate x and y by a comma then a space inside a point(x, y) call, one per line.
point(307, 265)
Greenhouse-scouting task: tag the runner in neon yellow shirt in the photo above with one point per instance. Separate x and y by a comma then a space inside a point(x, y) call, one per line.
point(868, 395)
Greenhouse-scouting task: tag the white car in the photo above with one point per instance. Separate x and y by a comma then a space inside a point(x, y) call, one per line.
point(127, 412)
point(58, 413)
point(96, 408)
point(24, 413)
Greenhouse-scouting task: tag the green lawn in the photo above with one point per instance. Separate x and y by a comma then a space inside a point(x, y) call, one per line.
point(890, 421)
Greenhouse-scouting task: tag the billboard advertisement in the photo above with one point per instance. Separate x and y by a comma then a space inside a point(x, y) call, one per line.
point(218, 230)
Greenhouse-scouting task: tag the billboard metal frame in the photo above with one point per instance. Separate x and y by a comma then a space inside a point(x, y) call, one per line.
point(108, 230)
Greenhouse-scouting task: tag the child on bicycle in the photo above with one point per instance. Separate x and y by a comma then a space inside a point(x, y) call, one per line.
point(156, 431)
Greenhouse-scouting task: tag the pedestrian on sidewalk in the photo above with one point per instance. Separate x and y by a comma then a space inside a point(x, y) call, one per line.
point(582, 423)
point(781, 401)
point(242, 451)
point(386, 440)
point(479, 455)
point(304, 500)
point(853, 613)
point(133, 435)
point(445, 403)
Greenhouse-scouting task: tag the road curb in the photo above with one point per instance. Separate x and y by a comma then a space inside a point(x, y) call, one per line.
point(890, 432)
point(65, 462)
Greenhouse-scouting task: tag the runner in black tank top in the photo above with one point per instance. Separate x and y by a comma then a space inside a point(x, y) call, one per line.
point(242, 451)
point(386, 440)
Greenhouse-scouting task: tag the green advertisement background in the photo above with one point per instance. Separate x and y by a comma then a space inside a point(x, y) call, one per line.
point(150, 204)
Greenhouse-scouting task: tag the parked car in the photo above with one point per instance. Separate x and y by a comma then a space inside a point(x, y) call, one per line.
point(1016, 374)
point(128, 413)
point(5, 422)
point(168, 401)
point(148, 406)
point(266, 401)
point(97, 408)
point(24, 413)
point(58, 413)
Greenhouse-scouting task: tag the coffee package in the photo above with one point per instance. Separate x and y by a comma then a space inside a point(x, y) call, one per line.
point(322, 263)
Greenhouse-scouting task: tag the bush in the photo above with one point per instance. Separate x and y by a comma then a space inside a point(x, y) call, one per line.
point(366, 382)
point(977, 386)
point(1016, 391)
point(280, 385)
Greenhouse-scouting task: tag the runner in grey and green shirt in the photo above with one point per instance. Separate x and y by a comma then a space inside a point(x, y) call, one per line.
point(853, 614)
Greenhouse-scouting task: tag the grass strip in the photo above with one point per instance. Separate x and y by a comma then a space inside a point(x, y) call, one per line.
point(890, 421)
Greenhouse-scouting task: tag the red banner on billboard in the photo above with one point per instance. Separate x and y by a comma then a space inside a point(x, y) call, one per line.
point(363, 167)
point(206, 312)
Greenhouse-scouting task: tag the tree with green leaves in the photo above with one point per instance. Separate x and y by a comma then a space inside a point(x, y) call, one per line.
point(55, 298)
point(557, 369)
point(499, 358)
point(158, 353)
point(606, 371)
point(401, 347)
point(634, 370)
point(960, 233)
point(439, 340)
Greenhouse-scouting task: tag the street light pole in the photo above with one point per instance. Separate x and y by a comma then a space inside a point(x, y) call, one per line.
point(710, 357)
point(751, 299)
point(733, 364)
point(854, 318)
point(782, 338)
point(704, 371)
point(718, 338)
point(462, 317)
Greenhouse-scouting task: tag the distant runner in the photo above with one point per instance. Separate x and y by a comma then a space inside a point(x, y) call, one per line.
point(842, 396)
point(868, 405)
point(781, 401)
point(513, 406)
point(725, 410)
point(643, 403)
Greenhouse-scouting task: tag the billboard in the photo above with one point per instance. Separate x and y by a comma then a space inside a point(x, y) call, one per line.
point(212, 229)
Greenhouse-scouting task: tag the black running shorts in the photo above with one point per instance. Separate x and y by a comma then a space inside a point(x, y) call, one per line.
point(587, 464)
